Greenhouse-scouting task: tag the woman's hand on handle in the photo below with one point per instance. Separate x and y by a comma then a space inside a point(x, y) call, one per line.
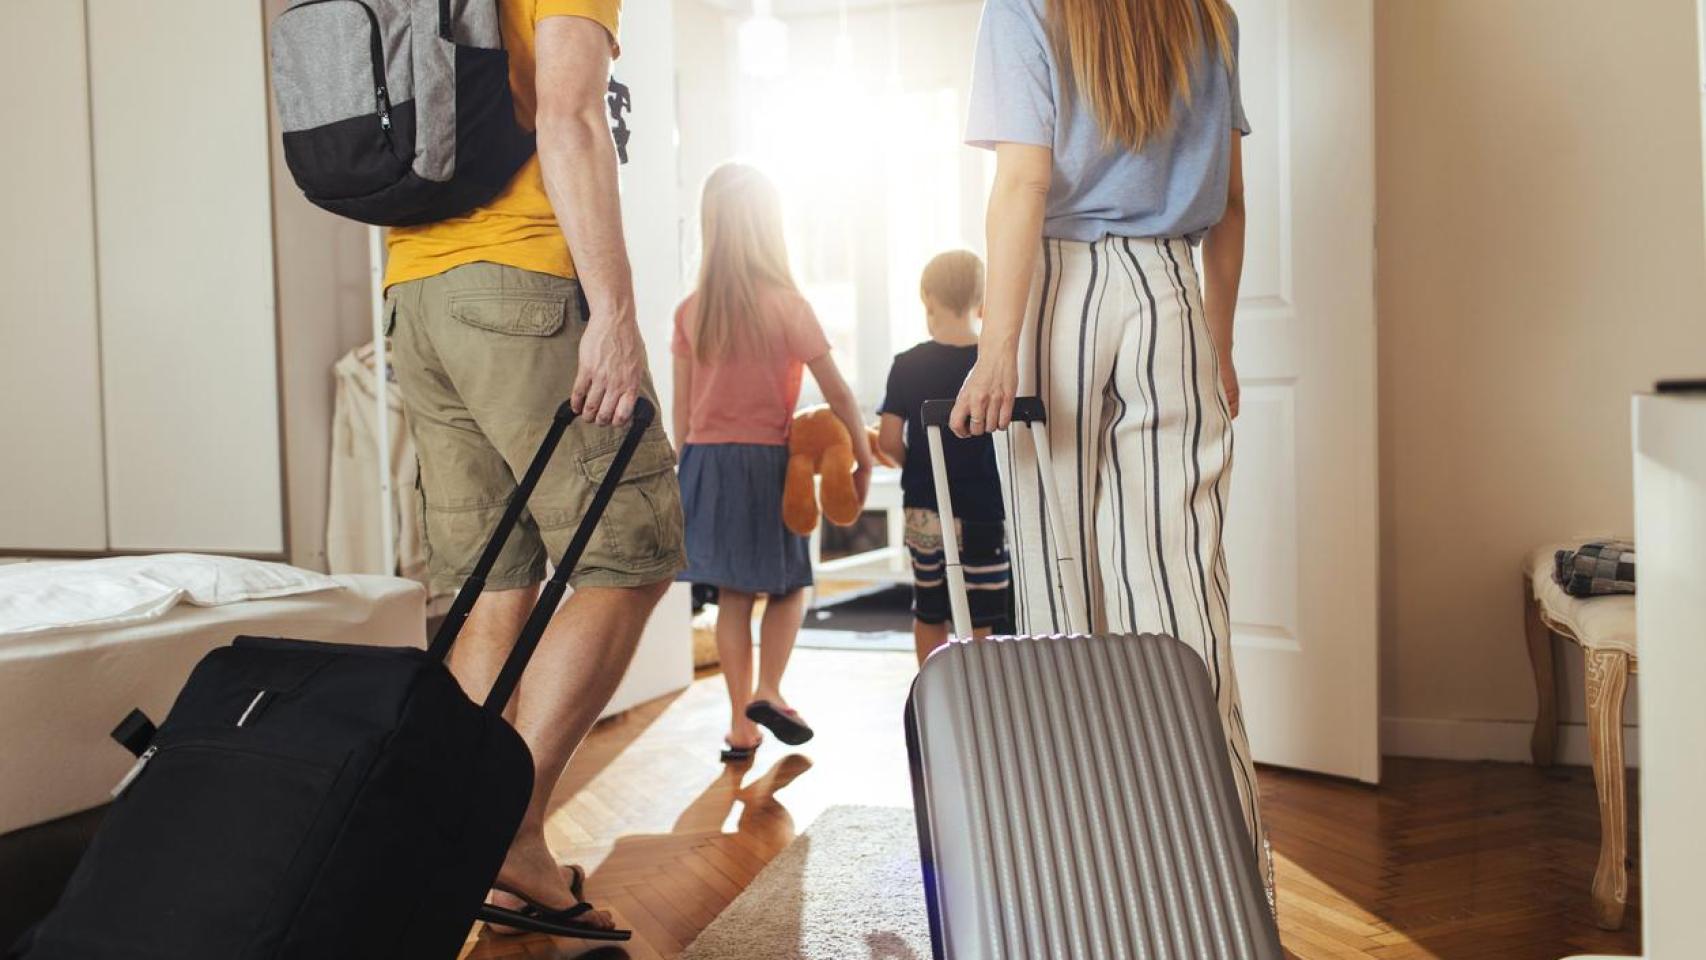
point(1017, 199)
point(985, 403)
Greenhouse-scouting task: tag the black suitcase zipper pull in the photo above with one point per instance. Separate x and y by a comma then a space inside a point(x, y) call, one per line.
point(134, 772)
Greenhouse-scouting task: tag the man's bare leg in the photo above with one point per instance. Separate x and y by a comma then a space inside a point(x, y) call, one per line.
point(575, 670)
point(486, 639)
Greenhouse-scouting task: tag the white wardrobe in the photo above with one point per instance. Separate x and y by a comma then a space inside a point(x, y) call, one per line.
point(171, 306)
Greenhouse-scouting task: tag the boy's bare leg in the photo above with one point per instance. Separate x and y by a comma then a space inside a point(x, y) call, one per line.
point(580, 660)
point(927, 637)
point(777, 632)
point(734, 649)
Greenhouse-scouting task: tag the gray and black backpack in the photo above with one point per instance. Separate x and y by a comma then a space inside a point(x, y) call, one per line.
point(398, 112)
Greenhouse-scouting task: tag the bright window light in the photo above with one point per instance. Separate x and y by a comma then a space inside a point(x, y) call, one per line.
point(763, 43)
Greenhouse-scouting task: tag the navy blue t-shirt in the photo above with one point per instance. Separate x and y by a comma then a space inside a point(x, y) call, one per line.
point(935, 371)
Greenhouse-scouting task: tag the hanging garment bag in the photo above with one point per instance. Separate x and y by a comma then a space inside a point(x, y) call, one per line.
point(1073, 793)
point(312, 801)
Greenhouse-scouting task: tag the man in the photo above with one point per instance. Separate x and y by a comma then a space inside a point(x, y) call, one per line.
point(496, 316)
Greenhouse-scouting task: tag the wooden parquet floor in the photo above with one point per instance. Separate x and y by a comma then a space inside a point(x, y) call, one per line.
point(1445, 861)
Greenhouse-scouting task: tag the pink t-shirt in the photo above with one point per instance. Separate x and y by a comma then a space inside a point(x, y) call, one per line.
point(751, 399)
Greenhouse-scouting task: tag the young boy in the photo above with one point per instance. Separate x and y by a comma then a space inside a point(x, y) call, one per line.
point(952, 289)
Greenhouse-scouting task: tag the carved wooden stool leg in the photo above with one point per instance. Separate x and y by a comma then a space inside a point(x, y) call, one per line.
point(1607, 680)
point(1543, 746)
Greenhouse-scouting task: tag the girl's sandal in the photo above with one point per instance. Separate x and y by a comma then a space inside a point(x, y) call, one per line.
point(734, 754)
point(783, 722)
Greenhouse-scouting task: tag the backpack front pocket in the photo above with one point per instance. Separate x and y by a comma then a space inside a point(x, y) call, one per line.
point(189, 859)
point(343, 137)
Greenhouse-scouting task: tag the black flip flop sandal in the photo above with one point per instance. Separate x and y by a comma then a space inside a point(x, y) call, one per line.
point(734, 754)
point(517, 922)
point(785, 724)
point(558, 923)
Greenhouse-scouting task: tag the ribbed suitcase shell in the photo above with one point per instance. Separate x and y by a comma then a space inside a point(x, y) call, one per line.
point(1075, 799)
point(1074, 795)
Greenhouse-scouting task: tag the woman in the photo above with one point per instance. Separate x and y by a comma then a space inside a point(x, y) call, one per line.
point(743, 341)
point(1116, 126)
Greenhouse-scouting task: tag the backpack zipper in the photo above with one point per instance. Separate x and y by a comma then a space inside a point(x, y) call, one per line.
point(376, 50)
point(134, 771)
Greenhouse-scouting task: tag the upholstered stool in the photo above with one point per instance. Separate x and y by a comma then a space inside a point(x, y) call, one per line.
point(1604, 627)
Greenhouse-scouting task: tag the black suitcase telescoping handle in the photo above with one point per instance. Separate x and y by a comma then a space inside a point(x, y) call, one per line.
point(1067, 583)
point(552, 593)
point(935, 413)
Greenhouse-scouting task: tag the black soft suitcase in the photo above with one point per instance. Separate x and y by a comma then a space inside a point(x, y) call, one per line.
point(315, 800)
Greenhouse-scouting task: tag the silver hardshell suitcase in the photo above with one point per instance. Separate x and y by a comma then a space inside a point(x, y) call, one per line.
point(1073, 793)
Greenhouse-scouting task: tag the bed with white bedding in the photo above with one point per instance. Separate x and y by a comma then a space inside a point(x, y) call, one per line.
point(82, 644)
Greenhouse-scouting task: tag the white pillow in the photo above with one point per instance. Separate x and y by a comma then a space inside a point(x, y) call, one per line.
point(48, 597)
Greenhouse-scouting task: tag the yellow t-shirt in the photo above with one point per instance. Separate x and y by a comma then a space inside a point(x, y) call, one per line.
point(517, 227)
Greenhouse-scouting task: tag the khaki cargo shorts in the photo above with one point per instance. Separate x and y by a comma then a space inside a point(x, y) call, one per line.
point(484, 355)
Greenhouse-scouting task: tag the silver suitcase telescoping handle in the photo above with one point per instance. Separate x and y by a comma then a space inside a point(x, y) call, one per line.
point(1067, 584)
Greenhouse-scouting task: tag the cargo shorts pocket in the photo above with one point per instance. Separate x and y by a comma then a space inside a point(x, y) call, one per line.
point(533, 313)
point(642, 527)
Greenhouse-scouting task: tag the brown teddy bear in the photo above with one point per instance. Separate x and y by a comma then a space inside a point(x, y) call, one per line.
point(819, 444)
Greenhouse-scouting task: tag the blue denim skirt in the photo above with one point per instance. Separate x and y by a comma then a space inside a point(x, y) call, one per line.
point(731, 494)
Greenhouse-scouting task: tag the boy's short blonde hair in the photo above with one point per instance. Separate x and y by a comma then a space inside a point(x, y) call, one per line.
point(953, 281)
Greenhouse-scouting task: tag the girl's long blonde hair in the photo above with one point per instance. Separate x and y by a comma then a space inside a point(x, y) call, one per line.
point(1130, 58)
point(742, 252)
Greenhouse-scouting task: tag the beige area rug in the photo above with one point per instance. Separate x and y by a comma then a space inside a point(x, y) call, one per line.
point(846, 889)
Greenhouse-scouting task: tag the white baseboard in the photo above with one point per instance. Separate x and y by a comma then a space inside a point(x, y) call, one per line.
point(1503, 740)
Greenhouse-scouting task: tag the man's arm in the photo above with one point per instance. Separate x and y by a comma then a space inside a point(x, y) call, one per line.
point(579, 163)
point(682, 415)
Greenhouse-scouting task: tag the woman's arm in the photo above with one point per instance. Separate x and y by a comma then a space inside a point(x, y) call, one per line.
point(1223, 268)
point(681, 407)
point(891, 440)
point(1013, 232)
point(840, 398)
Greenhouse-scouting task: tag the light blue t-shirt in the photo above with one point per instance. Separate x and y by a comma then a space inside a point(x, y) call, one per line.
point(1174, 187)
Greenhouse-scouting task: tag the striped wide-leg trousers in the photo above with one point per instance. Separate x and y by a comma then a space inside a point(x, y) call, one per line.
point(1117, 345)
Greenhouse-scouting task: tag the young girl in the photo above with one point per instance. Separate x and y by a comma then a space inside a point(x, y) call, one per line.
point(742, 341)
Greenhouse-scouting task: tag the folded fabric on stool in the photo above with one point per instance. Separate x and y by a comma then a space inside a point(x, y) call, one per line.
point(1596, 568)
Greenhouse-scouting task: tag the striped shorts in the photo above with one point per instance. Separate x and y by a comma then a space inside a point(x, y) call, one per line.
point(1140, 437)
point(983, 559)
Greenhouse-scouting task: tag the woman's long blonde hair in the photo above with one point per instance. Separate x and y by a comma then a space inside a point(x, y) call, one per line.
point(742, 252)
point(1131, 58)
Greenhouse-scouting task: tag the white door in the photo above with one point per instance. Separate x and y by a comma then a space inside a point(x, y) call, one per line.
point(52, 489)
point(1303, 522)
point(189, 361)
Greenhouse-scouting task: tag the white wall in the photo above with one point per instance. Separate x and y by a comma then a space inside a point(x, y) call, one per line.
point(1541, 256)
